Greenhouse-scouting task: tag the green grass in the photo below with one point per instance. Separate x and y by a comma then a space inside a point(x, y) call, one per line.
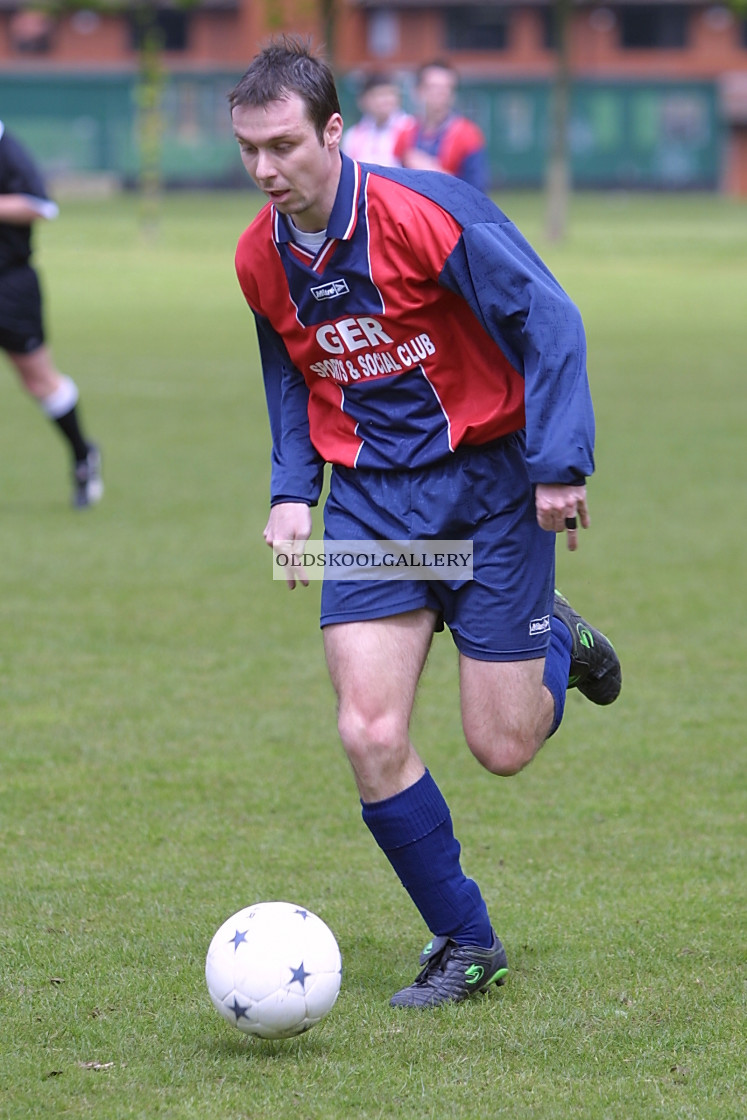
point(167, 732)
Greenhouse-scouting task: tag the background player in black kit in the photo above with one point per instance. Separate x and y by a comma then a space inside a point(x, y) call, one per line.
point(23, 201)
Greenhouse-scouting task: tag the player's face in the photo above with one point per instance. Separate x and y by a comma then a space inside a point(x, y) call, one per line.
point(437, 93)
point(380, 102)
point(282, 153)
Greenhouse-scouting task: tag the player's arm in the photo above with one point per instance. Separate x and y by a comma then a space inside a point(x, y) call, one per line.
point(540, 331)
point(24, 198)
point(418, 160)
point(474, 169)
point(24, 209)
point(560, 507)
point(287, 530)
point(297, 468)
point(541, 325)
point(464, 153)
point(405, 149)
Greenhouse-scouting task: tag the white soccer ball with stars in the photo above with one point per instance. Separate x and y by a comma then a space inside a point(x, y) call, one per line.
point(273, 969)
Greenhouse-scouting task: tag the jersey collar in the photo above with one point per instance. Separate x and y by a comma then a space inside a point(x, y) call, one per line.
point(344, 216)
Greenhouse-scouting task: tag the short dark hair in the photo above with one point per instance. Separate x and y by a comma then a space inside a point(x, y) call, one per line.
point(284, 67)
point(436, 64)
point(376, 79)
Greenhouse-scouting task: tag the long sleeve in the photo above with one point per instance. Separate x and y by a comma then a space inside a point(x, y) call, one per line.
point(539, 329)
point(297, 469)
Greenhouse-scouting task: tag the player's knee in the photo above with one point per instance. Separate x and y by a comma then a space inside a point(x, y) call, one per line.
point(366, 734)
point(37, 377)
point(503, 753)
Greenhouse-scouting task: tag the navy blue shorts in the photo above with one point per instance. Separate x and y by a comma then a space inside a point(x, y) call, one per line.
point(479, 494)
point(21, 327)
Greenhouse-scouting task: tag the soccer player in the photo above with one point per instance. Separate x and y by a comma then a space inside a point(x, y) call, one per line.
point(412, 338)
point(372, 139)
point(23, 201)
point(440, 139)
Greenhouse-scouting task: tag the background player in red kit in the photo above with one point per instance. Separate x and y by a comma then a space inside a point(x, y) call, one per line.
point(412, 338)
point(439, 138)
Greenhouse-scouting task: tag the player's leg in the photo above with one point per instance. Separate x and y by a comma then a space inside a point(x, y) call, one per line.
point(37, 373)
point(56, 393)
point(521, 645)
point(509, 708)
point(58, 396)
point(507, 711)
point(375, 667)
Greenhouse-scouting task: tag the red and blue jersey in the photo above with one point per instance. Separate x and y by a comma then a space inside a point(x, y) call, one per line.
point(458, 145)
point(424, 322)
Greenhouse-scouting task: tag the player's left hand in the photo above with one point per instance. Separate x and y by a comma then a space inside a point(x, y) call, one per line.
point(560, 508)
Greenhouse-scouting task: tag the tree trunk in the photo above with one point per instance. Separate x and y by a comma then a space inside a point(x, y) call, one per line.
point(328, 21)
point(558, 180)
point(150, 121)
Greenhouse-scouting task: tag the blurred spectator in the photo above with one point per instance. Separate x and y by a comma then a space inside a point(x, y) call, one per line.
point(372, 139)
point(30, 31)
point(440, 139)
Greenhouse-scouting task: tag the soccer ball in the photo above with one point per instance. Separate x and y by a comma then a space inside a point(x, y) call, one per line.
point(273, 969)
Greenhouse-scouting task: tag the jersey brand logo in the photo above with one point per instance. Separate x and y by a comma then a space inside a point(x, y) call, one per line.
point(539, 625)
point(331, 290)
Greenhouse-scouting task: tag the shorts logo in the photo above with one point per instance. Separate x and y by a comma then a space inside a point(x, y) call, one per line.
point(539, 626)
point(331, 290)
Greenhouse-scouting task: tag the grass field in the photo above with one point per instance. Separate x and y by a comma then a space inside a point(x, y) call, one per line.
point(167, 732)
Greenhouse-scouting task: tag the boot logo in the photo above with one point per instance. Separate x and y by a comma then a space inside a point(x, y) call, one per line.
point(585, 636)
point(474, 974)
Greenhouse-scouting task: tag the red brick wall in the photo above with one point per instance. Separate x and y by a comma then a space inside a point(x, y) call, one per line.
point(231, 37)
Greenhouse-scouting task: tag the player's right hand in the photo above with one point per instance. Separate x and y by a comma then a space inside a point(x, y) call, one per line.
point(286, 532)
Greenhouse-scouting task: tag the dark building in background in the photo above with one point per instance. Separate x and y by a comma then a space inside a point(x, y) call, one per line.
point(659, 97)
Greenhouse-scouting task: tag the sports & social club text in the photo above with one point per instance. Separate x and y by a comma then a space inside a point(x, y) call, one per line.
point(358, 333)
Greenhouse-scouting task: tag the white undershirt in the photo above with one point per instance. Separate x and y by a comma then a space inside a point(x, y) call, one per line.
point(312, 242)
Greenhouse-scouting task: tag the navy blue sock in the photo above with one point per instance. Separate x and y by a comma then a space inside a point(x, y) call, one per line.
point(558, 667)
point(413, 829)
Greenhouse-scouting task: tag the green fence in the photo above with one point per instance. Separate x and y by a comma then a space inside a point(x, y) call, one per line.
point(664, 135)
point(79, 125)
point(634, 135)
